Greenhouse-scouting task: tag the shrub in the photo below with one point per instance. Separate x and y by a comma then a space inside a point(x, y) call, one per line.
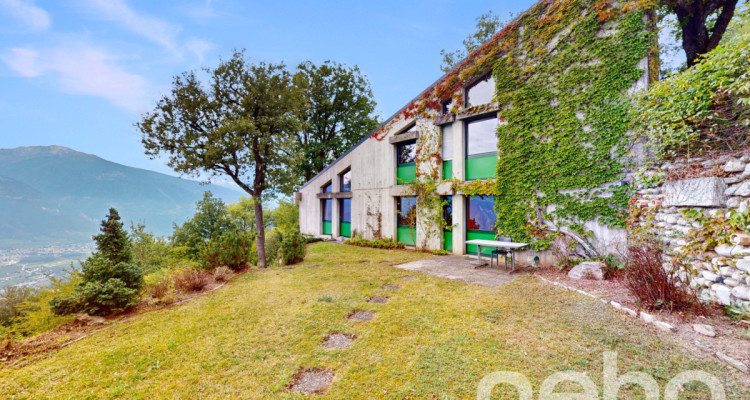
point(11, 298)
point(292, 249)
point(102, 298)
point(37, 315)
point(190, 280)
point(234, 249)
point(441, 252)
point(655, 286)
point(384, 243)
point(274, 237)
point(150, 252)
point(222, 274)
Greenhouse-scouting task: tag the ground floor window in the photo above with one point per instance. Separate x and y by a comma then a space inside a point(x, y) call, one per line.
point(406, 218)
point(326, 206)
point(480, 221)
point(448, 218)
point(345, 217)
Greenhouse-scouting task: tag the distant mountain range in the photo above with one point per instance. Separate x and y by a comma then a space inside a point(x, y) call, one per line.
point(55, 195)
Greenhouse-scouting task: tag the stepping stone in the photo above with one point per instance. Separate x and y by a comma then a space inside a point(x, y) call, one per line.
point(387, 262)
point(338, 341)
point(409, 278)
point(314, 266)
point(340, 264)
point(378, 300)
point(361, 315)
point(287, 268)
point(311, 380)
point(391, 287)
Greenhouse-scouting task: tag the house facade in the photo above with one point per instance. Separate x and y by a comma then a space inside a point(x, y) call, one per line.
point(451, 136)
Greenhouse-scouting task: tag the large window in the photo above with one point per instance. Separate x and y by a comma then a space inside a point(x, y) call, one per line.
point(481, 137)
point(326, 208)
point(447, 142)
point(345, 217)
point(407, 210)
point(481, 92)
point(480, 213)
point(448, 218)
point(407, 152)
point(346, 181)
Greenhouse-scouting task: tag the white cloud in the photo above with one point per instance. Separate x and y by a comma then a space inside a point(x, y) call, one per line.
point(27, 13)
point(81, 69)
point(198, 47)
point(204, 11)
point(153, 29)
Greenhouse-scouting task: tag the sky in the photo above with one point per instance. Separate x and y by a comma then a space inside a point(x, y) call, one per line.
point(80, 73)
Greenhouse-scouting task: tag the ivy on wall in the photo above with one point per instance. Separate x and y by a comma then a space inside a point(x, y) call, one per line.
point(561, 92)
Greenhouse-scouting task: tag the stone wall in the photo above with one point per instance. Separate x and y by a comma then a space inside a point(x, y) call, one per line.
point(707, 184)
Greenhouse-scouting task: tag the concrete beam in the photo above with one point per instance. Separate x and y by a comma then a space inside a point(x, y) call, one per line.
point(403, 137)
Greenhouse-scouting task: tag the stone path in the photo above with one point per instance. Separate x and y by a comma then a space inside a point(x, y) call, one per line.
point(460, 268)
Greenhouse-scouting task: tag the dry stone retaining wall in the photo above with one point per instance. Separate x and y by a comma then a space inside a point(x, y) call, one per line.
point(722, 183)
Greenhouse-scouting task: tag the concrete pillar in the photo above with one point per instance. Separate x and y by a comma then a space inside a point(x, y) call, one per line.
point(459, 150)
point(336, 228)
point(459, 224)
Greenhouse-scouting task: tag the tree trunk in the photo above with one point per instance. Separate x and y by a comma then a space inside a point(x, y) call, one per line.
point(261, 234)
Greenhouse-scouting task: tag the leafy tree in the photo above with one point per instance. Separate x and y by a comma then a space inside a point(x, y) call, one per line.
point(150, 252)
point(210, 221)
point(286, 216)
point(242, 124)
point(242, 215)
point(701, 24)
point(487, 25)
point(11, 297)
point(337, 112)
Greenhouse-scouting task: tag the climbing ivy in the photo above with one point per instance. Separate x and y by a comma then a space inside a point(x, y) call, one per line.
point(564, 144)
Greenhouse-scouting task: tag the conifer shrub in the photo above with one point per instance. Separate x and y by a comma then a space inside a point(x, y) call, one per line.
point(234, 249)
point(292, 248)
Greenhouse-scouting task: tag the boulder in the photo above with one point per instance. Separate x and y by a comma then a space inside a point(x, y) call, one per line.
point(734, 165)
point(588, 270)
point(705, 330)
point(696, 192)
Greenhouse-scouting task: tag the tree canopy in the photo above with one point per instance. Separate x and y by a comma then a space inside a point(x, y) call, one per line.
point(487, 25)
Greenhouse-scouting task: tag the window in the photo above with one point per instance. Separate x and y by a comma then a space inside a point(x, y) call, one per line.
point(480, 214)
point(345, 210)
point(447, 142)
point(407, 210)
point(446, 107)
point(481, 137)
point(407, 152)
point(412, 128)
point(345, 182)
point(327, 205)
point(481, 92)
point(448, 211)
point(327, 188)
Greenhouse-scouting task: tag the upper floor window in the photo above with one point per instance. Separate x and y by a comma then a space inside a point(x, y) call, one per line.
point(481, 137)
point(481, 92)
point(446, 107)
point(407, 152)
point(328, 187)
point(346, 181)
point(447, 142)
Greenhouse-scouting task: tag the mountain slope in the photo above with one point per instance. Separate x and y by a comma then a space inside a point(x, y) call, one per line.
point(52, 194)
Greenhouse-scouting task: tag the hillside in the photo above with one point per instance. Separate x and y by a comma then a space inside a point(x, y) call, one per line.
point(56, 195)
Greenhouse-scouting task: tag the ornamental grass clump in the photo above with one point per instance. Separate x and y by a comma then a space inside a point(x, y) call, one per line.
point(657, 287)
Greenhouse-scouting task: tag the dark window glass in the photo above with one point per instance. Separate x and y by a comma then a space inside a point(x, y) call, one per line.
point(346, 181)
point(447, 105)
point(412, 128)
point(481, 92)
point(480, 213)
point(345, 210)
point(448, 211)
point(407, 210)
point(407, 152)
point(481, 136)
point(327, 205)
point(328, 188)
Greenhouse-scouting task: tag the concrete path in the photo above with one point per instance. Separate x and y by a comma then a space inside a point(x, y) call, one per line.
point(460, 268)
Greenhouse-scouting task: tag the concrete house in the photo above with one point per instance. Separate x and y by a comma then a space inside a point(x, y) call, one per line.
point(449, 132)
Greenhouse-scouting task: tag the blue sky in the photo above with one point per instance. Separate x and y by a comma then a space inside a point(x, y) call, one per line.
point(78, 73)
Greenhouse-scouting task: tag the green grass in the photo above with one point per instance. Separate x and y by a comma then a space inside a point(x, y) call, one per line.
point(433, 339)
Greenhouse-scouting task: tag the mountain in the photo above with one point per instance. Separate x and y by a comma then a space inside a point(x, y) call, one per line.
point(56, 195)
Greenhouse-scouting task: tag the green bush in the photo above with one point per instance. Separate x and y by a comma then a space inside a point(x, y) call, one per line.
point(37, 315)
point(384, 243)
point(11, 298)
point(274, 237)
point(234, 249)
point(150, 252)
point(704, 108)
point(292, 249)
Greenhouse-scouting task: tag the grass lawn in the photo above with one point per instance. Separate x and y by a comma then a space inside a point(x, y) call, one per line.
point(434, 339)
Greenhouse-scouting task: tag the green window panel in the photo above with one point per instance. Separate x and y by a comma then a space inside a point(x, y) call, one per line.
point(345, 229)
point(486, 235)
point(481, 167)
point(447, 170)
point(448, 240)
point(327, 228)
point(406, 235)
point(406, 173)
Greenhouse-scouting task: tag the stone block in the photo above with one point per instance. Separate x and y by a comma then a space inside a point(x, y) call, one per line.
point(743, 189)
point(696, 192)
point(587, 270)
point(734, 165)
point(741, 292)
